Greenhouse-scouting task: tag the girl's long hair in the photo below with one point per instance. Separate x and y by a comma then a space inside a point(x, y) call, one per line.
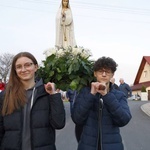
point(15, 95)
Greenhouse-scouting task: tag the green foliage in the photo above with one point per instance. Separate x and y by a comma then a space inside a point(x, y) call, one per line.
point(68, 68)
point(143, 89)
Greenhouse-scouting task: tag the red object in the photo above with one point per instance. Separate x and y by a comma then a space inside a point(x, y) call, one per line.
point(2, 86)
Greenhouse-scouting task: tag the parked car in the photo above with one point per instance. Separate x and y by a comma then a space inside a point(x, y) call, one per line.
point(135, 97)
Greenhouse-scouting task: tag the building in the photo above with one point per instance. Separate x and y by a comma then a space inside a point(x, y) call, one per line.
point(142, 77)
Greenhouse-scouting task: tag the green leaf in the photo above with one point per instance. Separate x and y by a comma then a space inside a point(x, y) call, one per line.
point(58, 77)
point(67, 70)
point(73, 85)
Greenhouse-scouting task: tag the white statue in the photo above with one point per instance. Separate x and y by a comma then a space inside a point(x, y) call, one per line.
point(64, 26)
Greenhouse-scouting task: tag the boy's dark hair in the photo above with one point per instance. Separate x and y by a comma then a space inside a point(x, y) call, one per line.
point(105, 63)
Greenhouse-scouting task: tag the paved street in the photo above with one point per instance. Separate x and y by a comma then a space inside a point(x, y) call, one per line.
point(65, 137)
point(136, 134)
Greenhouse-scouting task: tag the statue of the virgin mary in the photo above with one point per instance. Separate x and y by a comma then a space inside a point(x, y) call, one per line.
point(64, 26)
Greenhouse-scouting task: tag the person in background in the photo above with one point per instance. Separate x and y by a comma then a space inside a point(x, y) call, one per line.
point(101, 110)
point(65, 26)
point(2, 85)
point(114, 85)
point(125, 88)
point(63, 94)
point(30, 111)
point(71, 95)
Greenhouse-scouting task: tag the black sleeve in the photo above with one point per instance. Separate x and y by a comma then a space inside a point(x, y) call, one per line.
point(57, 111)
point(1, 118)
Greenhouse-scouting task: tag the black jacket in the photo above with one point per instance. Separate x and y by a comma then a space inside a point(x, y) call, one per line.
point(46, 115)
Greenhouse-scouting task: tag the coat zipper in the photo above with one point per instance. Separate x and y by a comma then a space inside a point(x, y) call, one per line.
point(99, 141)
point(31, 107)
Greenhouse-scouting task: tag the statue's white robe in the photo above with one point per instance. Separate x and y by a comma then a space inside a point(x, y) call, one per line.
point(65, 28)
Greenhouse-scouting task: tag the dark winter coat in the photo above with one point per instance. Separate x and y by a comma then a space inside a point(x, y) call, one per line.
point(46, 115)
point(124, 87)
point(101, 117)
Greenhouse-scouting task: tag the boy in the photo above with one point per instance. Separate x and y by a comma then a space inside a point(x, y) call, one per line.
point(101, 110)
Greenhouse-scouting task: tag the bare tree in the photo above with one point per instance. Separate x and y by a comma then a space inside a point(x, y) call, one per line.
point(5, 65)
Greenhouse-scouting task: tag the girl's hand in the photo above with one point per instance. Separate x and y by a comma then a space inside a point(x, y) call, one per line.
point(50, 88)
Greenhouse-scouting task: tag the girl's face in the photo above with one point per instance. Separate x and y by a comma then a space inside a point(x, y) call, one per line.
point(25, 69)
point(65, 3)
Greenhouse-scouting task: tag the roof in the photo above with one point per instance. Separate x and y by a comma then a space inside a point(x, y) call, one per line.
point(145, 59)
point(139, 86)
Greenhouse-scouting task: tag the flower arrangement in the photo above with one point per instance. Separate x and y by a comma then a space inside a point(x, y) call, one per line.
point(68, 68)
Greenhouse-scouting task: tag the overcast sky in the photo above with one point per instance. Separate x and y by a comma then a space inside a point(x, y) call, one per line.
point(116, 28)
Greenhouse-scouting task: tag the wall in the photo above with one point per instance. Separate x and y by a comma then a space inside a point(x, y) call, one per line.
point(145, 76)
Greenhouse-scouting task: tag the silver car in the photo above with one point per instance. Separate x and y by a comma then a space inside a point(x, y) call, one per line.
point(135, 97)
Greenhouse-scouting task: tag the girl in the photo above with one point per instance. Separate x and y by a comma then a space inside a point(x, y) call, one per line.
point(29, 111)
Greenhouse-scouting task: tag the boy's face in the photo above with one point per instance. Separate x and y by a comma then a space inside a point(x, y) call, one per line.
point(103, 75)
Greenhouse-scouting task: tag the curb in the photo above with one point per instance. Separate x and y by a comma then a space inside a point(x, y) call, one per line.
point(146, 108)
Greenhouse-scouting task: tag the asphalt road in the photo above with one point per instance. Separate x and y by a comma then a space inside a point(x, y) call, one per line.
point(136, 135)
point(65, 138)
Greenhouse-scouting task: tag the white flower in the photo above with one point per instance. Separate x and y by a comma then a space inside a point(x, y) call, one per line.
point(84, 53)
point(60, 53)
point(76, 51)
point(50, 51)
